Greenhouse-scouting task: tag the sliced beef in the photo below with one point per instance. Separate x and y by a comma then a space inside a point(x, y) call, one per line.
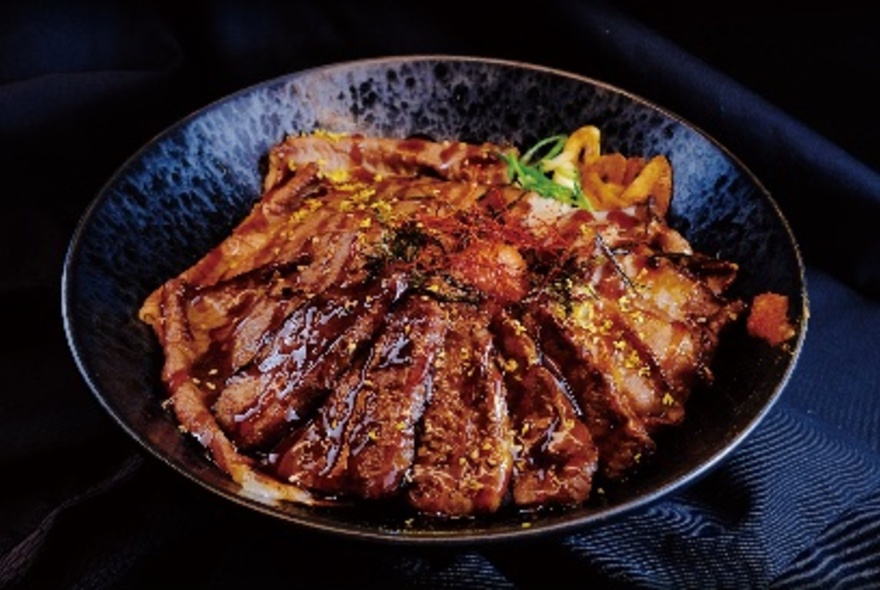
point(618, 432)
point(451, 160)
point(361, 442)
point(189, 403)
point(464, 458)
point(556, 457)
point(295, 368)
point(670, 316)
point(649, 319)
point(249, 246)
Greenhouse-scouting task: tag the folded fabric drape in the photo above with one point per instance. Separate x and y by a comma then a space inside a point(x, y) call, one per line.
point(83, 85)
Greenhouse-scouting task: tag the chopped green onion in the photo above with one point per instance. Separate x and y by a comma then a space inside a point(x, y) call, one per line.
point(533, 177)
point(558, 142)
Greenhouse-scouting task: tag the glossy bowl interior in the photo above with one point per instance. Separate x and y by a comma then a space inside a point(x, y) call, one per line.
point(184, 191)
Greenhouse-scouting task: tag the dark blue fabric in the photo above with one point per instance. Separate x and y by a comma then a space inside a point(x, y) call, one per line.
point(84, 84)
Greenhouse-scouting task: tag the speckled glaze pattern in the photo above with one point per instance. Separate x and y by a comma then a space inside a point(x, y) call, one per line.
point(180, 194)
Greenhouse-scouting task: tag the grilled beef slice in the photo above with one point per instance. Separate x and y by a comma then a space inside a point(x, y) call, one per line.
point(465, 449)
point(555, 454)
point(361, 442)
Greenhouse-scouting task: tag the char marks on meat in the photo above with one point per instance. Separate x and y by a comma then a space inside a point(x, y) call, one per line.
point(465, 454)
point(395, 318)
point(300, 360)
point(556, 456)
point(361, 441)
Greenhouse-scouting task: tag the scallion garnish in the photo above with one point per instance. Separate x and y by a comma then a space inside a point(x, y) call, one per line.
point(534, 177)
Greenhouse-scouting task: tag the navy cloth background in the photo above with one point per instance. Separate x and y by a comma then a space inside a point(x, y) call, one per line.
point(792, 94)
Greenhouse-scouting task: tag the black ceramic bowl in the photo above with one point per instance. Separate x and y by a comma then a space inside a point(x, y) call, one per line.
point(180, 194)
